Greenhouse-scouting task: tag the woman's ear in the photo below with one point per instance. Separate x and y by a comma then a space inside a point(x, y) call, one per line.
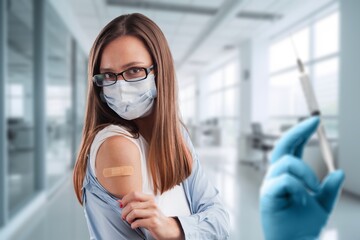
point(102, 96)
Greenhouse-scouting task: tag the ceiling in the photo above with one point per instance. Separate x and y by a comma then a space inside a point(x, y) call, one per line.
point(197, 31)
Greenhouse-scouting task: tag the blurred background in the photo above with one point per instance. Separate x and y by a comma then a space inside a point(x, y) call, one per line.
point(238, 90)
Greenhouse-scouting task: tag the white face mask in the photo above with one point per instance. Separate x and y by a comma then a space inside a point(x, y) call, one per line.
point(131, 100)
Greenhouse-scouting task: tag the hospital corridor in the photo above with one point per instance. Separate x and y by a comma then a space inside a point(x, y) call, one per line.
point(248, 72)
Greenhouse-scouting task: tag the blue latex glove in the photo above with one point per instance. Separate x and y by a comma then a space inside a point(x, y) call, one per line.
point(294, 205)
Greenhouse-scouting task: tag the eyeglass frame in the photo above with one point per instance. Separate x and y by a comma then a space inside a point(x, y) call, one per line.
point(147, 71)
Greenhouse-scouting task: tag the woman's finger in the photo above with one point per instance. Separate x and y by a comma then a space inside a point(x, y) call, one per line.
point(135, 197)
point(137, 205)
point(147, 223)
point(296, 167)
point(141, 214)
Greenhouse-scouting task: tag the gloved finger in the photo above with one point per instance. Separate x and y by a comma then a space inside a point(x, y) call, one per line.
point(295, 167)
point(330, 189)
point(279, 192)
point(293, 141)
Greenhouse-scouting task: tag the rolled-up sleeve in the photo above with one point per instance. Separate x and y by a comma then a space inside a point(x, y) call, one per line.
point(103, 213)
point(209, 220)
point(104, 222)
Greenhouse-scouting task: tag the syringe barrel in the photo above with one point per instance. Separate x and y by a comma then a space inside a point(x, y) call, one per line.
point(315, 110)
point(325, 148)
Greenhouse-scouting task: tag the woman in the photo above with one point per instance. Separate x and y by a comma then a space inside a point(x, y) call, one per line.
point(132, 122)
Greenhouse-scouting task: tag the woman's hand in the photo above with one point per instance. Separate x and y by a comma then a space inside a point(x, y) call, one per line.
point(140, 210)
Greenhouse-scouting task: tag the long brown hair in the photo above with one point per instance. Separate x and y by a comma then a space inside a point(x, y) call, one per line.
point(169, 159)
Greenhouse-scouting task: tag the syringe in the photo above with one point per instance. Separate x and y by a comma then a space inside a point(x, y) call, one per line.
point(315, 111)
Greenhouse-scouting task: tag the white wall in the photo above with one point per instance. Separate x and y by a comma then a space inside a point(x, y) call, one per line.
point(245, 95)
point(260, 80)
point(349, 110)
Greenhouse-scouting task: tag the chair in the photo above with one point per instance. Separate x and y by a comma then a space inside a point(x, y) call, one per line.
point(258, 141)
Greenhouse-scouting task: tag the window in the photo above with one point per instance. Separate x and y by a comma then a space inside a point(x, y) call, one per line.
point(220, 90)
point(326, 36)
point(317, 44)
point(219, 101)
point(188, 102)
point(326, 85)
point(16, 97)
point(282, 53)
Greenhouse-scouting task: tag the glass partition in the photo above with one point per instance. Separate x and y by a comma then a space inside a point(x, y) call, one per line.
point(19, 87)
point(59, 120)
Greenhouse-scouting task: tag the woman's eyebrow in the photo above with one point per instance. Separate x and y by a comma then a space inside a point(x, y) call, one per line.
point(130, 64)
point(106, 70)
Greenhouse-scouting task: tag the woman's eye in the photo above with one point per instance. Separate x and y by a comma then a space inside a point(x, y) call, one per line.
point(134, 70)
point(108, 76)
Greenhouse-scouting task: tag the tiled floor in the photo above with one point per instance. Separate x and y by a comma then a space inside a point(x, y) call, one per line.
point(63, 218)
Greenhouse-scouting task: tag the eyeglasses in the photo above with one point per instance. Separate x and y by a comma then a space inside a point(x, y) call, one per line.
point(133, 74)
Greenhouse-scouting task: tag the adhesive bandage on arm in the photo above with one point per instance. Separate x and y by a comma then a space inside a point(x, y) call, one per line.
point(118, 171)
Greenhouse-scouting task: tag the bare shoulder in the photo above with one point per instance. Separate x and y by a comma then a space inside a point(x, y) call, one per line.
point(119, 151)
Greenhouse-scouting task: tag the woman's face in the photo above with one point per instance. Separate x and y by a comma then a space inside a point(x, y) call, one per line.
point(123, 53)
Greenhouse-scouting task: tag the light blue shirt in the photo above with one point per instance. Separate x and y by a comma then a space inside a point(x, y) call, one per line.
point(208, 219)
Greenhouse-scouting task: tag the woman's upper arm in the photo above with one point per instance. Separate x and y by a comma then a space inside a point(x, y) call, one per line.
point(117, 151)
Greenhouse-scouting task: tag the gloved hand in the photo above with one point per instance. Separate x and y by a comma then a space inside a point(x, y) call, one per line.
point(293, 204)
